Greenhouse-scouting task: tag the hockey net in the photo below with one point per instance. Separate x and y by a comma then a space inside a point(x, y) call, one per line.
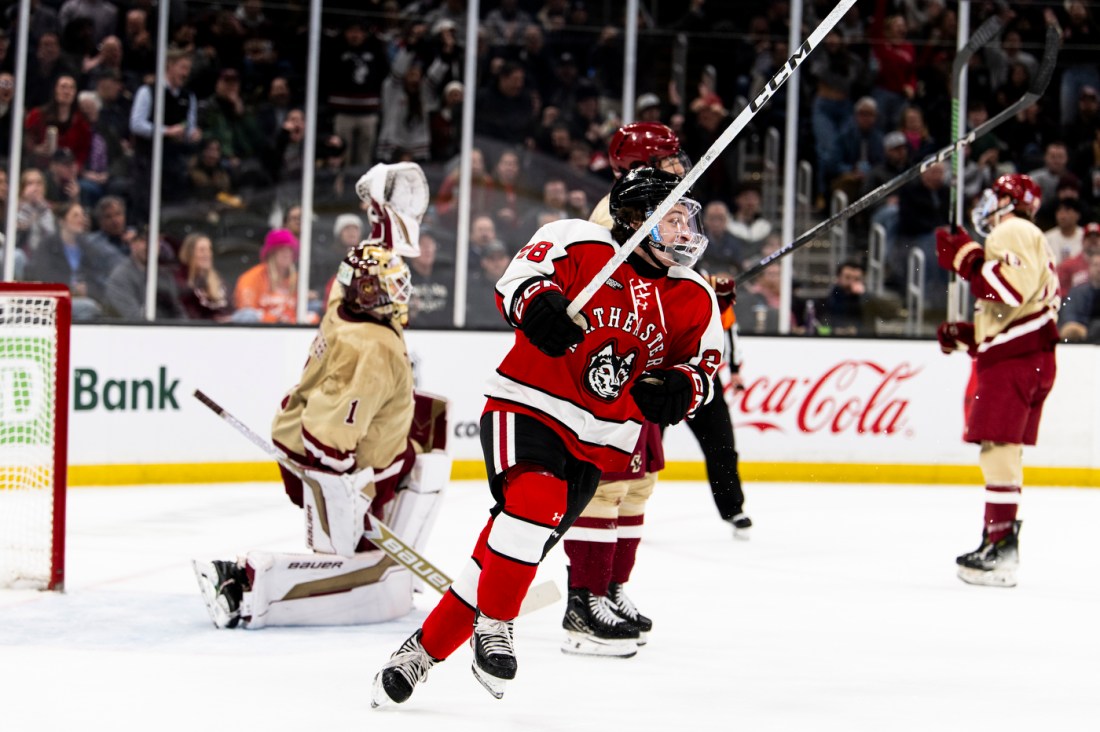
point(34, 377)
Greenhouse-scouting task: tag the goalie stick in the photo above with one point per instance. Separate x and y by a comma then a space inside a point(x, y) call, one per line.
point(723, 141)
point(985, 33)
point(538, 596)
point(1038, 86)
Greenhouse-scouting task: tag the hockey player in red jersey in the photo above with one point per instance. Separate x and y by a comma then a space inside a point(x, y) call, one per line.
point(1012, 342)
point(567, 403)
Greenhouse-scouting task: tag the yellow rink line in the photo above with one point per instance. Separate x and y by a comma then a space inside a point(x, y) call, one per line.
point(99, 475)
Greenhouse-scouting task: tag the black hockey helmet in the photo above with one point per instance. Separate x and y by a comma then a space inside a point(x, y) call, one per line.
point(637, 195)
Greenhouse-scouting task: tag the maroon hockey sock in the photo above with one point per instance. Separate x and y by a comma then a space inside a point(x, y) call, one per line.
point(1000, 514)
point(590, 558)
point(447, 627)
point(626, 548)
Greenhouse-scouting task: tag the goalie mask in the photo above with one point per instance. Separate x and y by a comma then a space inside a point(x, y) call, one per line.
point(376, 282)
point(1024, 197)
point(677, 238)
point(397, 196)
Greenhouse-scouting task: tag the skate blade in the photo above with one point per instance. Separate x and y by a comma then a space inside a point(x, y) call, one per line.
point(991, 578)
point(579, 644)
point(643, 638)
point(207, 578)
point(378, 695)
point(493, 684)
point(742, 534)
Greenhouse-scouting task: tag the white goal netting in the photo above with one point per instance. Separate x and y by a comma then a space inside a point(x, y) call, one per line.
point(29, 345)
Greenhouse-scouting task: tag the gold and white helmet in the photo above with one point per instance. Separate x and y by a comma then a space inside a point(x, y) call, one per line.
point(376, 282)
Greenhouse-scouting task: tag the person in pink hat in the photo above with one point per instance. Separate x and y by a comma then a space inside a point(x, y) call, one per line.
point(270, 289)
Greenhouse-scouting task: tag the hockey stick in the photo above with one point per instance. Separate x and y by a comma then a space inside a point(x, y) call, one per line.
point(734, 129)
point(538, 596)
point(985, 33)
point(1038, 86)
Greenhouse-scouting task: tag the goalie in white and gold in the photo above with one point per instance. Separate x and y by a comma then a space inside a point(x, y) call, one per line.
point(366, 444)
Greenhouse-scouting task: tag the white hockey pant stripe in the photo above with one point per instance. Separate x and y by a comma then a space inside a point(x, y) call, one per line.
point(518, 539)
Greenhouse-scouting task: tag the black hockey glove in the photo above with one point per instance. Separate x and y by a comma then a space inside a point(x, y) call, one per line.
point(664, 396)
point(548, 326)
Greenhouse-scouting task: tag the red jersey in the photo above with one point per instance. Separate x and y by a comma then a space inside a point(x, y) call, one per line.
point(642, 318)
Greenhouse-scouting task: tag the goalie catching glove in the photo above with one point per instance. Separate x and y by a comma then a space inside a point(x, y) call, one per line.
point(958, 253)
point(335, 509)
point(664, 396)
point(540, 312)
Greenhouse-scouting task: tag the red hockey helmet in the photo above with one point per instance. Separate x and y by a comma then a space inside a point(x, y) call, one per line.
point(1024, 192)
point(643, 144)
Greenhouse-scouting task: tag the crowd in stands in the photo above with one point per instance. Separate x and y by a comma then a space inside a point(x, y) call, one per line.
point(875, 100)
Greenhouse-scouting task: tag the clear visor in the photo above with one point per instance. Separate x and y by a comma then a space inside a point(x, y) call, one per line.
point(985, 212)
point(678, 238)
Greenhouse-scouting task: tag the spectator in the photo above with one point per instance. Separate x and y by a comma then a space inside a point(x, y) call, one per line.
point(96, 173)
point(916, 133)
point(270, 289)
point(537, 61)
point(181, 133)
point(34, 218)
point(325, 260)
point(1083, 128)
point(285, 159)
point(47, 68)
point(432, 304)
point(1066, 237)
point(62, 182)
point(139, 56)
point(125, 292)
point(584, 118)
point(271, 114)
point(506, 110)
point(352, 74)
point(7, 95)
point(114, 122)
point(748, 225)
point(1073, 270)
point(838, 73)
point(1077, 59)
point(203, 292)
point(723, 255)
point(1055, 167)
point(58, 124)
point(102, 14)
point(446, 122)
point(483, 237)
point(856, 150)
point(502, 200)
point(110, 219)
point(757, 307)
point(1080, 317)
point(208, 173)
point(895, 161)
point(225, 118)
point(506, 24)
point(648, 108)
point(842, 311)
point(107, 60)
point(562, 93)
point(922, 208)
point(407, 103)
point(895, 58)
point(70, 258)
point(481, 305)
point(1010, 52)
point(555, 201)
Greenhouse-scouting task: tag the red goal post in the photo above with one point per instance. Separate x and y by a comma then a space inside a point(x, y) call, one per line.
point(35, 320)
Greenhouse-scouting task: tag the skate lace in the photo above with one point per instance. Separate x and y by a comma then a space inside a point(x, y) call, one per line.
point(603, 610)
point(412, 662)
point(495, 636)
point(624, 604)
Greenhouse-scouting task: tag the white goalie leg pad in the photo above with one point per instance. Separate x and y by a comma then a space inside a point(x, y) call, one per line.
point(335, 507)
point(324, 589)
point(413, 511)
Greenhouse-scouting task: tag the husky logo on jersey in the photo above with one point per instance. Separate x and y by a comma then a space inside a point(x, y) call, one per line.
point(608, 371)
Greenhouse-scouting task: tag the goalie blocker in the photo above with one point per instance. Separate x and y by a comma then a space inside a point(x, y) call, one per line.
point(368, 586)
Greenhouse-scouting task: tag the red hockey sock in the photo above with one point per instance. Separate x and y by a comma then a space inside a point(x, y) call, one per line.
point(447, 627)
point(1001, 503)
point(626, 548)
point(591, 552)
point(534, 504)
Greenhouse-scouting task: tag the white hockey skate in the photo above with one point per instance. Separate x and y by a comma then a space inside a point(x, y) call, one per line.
point(494, 653)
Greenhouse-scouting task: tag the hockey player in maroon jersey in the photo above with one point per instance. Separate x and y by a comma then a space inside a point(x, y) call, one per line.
point(1012, 343)
point(567, 403)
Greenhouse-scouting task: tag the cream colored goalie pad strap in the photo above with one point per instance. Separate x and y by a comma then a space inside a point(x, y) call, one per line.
point(1002, 463)
point(325, 589)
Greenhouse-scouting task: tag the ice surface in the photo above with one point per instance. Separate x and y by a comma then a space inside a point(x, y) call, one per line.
point(842, 612)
